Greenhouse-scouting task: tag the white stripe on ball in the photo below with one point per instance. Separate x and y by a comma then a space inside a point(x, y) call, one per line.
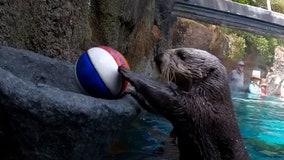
point(106, 67)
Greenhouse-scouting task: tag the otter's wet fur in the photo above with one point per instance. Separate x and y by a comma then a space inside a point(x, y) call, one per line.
point(199, 107)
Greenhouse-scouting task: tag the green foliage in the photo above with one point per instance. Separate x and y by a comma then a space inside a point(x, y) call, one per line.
point(236, 47)
point(258, 41)
point(277, 6)
point(264, 45)
point(239, 40)
point(250, 2)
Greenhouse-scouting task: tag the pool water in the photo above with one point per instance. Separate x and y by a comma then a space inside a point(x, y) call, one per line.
point(261, 121)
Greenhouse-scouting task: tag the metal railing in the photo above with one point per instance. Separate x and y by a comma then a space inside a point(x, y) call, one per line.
point(231, 14)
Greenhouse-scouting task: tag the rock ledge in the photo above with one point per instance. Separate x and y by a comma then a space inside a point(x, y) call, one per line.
point(44, 115)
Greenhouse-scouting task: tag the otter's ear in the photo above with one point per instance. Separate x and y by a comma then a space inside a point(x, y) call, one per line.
point(181, 54)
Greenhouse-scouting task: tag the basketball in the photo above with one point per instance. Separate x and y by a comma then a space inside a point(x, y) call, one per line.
point(97, 72)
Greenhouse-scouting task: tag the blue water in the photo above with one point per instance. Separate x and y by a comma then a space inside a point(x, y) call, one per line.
point(261, 122)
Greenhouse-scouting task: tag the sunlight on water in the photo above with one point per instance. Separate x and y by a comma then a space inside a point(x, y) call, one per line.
point(261, 121)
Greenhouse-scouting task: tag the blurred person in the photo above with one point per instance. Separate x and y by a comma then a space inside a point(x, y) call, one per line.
point(263, 86)
point(236, 78)
point(254, 84)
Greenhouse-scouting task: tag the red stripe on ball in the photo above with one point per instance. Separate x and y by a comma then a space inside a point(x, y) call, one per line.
point(120, 60)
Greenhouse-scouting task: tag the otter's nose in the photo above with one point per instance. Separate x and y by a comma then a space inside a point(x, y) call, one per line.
point(157, 59)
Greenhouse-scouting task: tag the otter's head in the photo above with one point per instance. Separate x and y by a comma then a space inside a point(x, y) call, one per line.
point(188, 66)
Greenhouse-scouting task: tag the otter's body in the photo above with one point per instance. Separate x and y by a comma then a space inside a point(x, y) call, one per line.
point(199, 108)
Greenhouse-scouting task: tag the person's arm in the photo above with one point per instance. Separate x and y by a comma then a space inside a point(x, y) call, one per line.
point(262, 90)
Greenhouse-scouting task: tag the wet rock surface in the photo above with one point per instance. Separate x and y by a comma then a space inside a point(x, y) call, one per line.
point(44, 115)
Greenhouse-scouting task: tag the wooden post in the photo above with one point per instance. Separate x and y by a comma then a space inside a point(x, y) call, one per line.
point(268, 5)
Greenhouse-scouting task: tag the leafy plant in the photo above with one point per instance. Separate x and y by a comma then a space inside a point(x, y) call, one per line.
point(239, 40)
point(277, 6)
point(237, 47)
point(264, 45)
point(258, 3)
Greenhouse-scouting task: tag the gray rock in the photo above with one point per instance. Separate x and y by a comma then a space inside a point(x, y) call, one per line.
point(44, 115)
point(55, 28)
point(275, 77)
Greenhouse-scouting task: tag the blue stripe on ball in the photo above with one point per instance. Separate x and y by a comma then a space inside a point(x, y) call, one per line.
point(106, 67)
point(92, 83)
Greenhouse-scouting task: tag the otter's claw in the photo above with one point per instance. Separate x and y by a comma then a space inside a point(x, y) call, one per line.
point(130, 76)
point(124, 72)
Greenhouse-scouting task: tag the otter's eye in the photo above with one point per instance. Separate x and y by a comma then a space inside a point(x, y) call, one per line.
point(181, 55)
point(211, 70)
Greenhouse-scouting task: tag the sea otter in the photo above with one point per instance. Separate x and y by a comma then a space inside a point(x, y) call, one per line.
point(199, 106)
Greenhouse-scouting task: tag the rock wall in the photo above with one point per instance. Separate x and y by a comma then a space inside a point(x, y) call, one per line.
point(138, 29)
point(189, 33)
point(63, 29)
point(275, 75)
point(54, 28)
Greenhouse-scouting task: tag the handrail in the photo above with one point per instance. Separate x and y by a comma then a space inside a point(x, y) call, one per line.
point(232, 15)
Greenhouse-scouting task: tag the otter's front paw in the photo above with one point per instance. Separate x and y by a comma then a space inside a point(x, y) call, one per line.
point(125, 72)
point(130, 76)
